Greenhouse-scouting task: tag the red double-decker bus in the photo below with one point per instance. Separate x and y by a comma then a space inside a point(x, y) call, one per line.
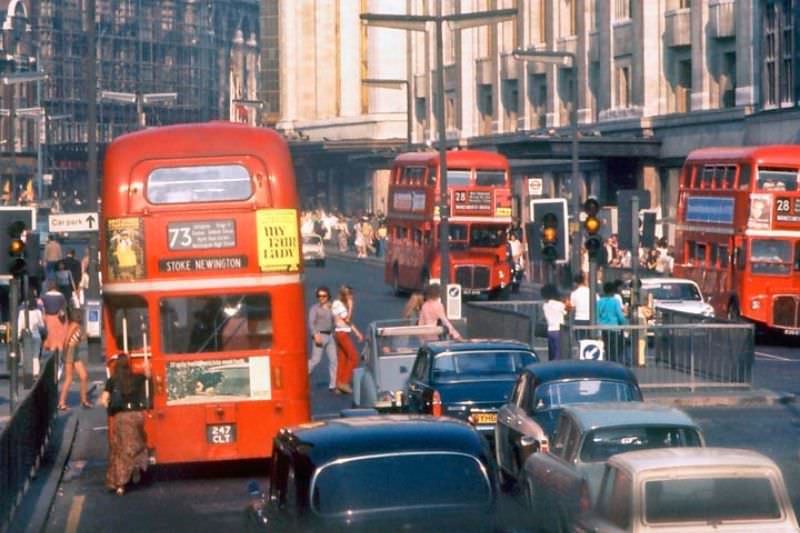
point(479, 188)
point(202, 280)
point(738, 232)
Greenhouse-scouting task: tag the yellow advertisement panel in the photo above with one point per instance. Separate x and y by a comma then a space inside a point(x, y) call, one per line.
point(278, 240)
point(125, 249)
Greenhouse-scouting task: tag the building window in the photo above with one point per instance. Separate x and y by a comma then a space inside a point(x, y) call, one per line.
point(511, 102)
point(485, 108)
point(565, 90)
point(450, 109)
point(779, 52)
point(538, 99)
point(622, 9)
point(623, 92)
point(569, 17)
point(727, 80)
point(683, 91)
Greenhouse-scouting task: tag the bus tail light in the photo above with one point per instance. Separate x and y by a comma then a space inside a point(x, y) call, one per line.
point(436, 404)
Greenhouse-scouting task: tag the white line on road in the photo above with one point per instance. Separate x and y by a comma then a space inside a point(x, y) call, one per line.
point(777, 357)
point(74, 517)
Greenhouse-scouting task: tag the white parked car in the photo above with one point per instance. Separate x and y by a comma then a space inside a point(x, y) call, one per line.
point(676, 294)
point(313, 249)
point(690, 490)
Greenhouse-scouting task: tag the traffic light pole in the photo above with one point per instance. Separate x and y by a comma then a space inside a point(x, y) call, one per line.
point(444, 197)
point(13, 303)
point(593, 291)
point(95, 354)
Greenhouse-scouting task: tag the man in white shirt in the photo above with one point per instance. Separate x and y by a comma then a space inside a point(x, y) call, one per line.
point(554, 311)
point(579, 302)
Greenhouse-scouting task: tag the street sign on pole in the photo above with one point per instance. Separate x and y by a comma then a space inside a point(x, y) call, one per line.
point(66, 222)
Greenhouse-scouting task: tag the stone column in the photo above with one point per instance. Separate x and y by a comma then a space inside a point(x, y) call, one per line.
point(747, 19)
point(700, 98)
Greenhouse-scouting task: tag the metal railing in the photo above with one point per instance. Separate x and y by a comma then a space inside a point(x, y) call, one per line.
point(24, 440)
point(679, 351)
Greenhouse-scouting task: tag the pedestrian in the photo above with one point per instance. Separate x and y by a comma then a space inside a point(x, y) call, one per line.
point(55, 318)
point(554, 312)
point(342, 234)
point(342, 309)
point(52, 255)
point(255, 516)
point(72, 341)
point(413, 307)
point(609, 313)
point(321, 325)
point(65, 282)
point(432, 312)
point(74, 266)
point(37, 328)
point(579, 300)
point(125, 399)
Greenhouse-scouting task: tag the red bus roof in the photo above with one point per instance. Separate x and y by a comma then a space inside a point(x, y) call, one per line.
point(192, 141)
point(787, 154)
point(456, 159)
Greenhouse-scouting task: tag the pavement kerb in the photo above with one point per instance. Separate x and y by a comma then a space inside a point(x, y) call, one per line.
point(750, 397)
point(38, 519)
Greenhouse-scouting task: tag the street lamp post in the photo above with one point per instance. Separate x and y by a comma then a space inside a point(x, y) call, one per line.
point(456, 22)
point(140, 100)
point(397, 84)
point(566, 60)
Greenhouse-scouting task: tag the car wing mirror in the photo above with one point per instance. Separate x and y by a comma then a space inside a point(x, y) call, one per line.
point(539, 405)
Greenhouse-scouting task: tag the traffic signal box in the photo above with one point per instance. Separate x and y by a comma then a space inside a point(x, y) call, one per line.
point(549, 237)
point(593, 241)
point(547, 234)
point(16, 249)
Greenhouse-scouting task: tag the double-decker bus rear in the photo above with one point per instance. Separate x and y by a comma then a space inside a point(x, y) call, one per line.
point(201, 272)
point(479, 194)
point(738, 232)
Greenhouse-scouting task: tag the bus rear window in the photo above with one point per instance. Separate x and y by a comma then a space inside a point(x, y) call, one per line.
point(490, 178)
point(197, 184)
point(218, 323)
point(777, 180)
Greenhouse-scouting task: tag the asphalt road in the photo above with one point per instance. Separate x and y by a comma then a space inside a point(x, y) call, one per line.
point(211, 497)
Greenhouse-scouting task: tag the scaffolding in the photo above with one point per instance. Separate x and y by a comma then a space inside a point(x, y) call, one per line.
point(206, 51)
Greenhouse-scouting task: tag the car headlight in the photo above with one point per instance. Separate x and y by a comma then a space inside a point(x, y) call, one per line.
point(708, 310)
point(755, 304)
point(501, 274)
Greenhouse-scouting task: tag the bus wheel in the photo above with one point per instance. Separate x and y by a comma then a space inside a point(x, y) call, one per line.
point(733, 312)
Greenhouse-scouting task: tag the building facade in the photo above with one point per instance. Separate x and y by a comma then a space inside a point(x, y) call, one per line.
point(652, 80)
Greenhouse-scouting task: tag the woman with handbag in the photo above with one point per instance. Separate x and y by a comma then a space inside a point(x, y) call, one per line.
point(125, 399)
point(72, 341)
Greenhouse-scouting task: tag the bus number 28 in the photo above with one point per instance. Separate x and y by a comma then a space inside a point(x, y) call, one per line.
point(782, 205)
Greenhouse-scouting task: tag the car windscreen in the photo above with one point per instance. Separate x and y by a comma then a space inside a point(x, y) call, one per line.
point(601, 444)
point(480, 364)
point(400, 344)
point(401, 481)
point(710, 500)
point(584, 391)
point(672, 291)
point(312, 240)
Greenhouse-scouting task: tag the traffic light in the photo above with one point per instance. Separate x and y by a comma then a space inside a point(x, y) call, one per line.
point(16, 248)
point(549, 242)
point(593, 241)
point(549, 237)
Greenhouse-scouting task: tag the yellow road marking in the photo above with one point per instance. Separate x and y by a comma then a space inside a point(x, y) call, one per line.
point(74, 517)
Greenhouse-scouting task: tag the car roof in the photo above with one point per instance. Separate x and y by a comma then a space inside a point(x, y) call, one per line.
point(689, 458)
point(619, 414)
point(656, 281)
point(476, 344)
point(577, 369)
point(324, 441)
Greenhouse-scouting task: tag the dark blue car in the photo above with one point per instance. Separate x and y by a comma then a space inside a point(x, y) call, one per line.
point(467, 379)
point(382, 473)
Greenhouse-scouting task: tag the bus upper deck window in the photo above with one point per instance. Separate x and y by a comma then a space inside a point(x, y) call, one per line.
point(458, 178)
point(744, 177)
point(197, 184)
point(708, 177)
point(777, 180)
point(490, 178)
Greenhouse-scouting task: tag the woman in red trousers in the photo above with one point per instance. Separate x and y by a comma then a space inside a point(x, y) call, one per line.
point(347, 355)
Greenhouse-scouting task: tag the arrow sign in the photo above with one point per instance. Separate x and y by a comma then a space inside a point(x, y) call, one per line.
point(66, 222)
point(591, 350)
